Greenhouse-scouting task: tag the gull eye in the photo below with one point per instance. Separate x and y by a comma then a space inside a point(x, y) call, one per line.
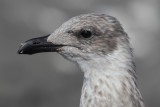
point(85, 34)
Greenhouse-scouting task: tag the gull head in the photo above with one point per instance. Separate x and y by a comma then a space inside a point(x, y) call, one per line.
point(83, 37)
point(100, 46)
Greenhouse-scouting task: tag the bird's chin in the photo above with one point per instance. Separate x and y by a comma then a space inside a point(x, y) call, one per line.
point(70, 57)
point(73, 53)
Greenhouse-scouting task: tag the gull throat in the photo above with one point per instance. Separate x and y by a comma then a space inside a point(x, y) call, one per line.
point(110, 81)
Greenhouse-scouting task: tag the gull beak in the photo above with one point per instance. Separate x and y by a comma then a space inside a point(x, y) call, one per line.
point(38, 45)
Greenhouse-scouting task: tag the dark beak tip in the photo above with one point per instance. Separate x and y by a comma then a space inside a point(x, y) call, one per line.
point(37, 45)
point(20, 50)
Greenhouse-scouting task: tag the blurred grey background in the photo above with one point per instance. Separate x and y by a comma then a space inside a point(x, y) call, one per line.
point(47, 80)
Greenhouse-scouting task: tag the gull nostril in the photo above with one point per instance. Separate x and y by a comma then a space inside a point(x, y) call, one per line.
point(36, 42)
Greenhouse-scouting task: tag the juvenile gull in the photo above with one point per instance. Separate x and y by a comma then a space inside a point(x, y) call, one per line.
point(101, 49)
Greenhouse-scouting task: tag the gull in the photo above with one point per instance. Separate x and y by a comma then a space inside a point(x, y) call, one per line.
point(100, 47)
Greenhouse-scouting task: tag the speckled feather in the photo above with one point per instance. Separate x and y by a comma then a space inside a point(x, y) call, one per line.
point(106, 60)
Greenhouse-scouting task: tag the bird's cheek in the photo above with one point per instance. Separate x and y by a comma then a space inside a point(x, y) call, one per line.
point(67, 49)
point(71, 51)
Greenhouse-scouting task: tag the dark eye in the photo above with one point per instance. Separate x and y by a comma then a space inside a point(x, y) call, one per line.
point(85, 34)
